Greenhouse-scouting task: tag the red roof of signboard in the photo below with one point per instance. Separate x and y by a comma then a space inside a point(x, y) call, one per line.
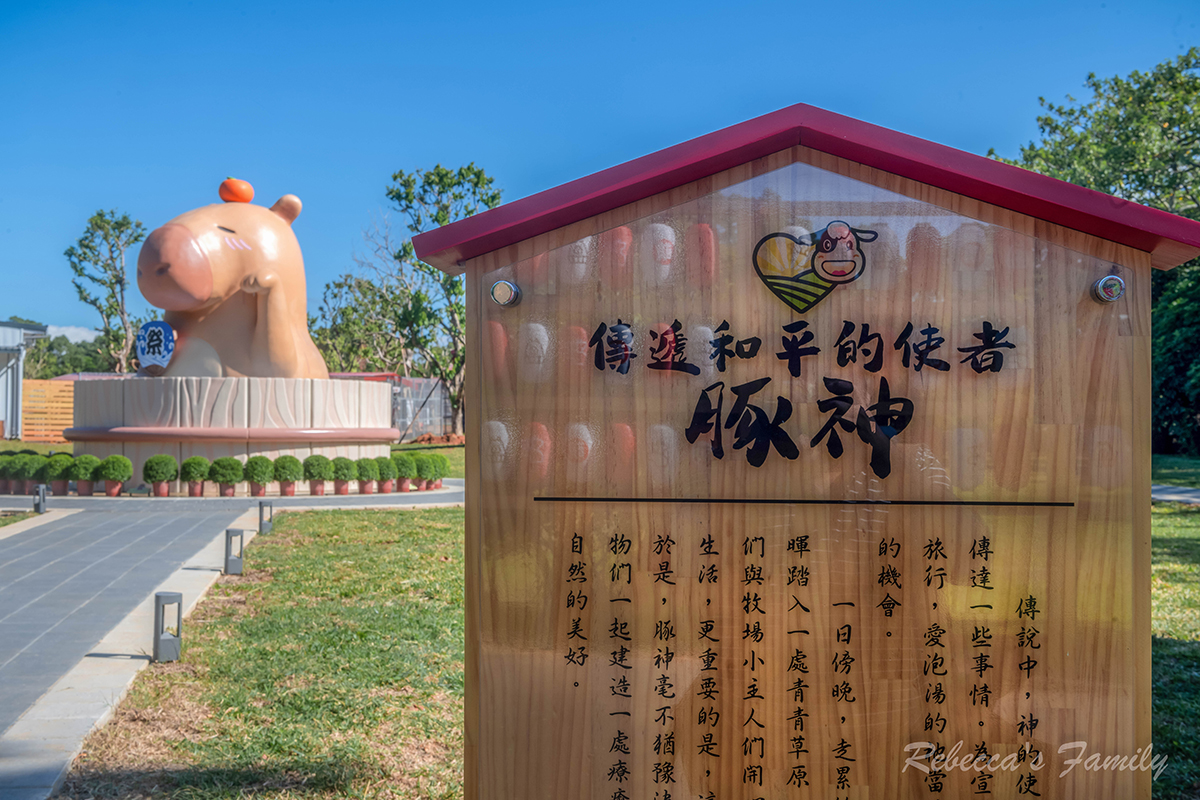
point(1169, 239)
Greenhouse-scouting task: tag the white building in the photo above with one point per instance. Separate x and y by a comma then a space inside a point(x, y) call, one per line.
point(15, 339)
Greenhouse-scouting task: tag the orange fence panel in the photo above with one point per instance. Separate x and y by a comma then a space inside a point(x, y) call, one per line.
point(47, 407)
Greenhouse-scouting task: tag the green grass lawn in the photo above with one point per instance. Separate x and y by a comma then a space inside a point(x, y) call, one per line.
point(456, 454)
point(1175, 623)
point(9, 519)
point(333, 668)
point(1175, 470)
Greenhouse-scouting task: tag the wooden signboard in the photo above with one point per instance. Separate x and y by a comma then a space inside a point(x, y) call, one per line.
point(806, 480)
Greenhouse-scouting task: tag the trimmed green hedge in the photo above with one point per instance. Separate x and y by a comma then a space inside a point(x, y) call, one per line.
point(227, 470)
point(318, 468)
point(13, 467)
point(344, 469)
point(368, 470)
point(260, 470)
point(195, 469)
point(32, 466)
point(56, 468)
point(386, 467)
point(405, 466)
point(160, 468)
point(115, 468)
point(426, 469)
point(443, 465)
point(83, 468)
point(288, 469)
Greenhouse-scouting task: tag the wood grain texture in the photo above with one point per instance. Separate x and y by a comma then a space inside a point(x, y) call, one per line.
point(335, 404)
point(98, 403)
point(280, 402)
point(1045, 460)
point(151, 402)
point(213, 402)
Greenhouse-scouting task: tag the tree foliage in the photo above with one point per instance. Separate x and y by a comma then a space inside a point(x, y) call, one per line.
point(1138, 138)
point(98, 259)
point(399, 314)
point(49, 358)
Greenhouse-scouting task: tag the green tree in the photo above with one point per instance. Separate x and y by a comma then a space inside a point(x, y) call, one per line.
point(49, 358)
point(401, 311)
point(99, 258)
point(1138, 138)
point(356, 330)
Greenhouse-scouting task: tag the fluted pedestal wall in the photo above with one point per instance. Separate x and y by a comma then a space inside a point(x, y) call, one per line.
point(240, 417)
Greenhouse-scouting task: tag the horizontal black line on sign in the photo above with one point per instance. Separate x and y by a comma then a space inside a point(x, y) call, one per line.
point(779, 502)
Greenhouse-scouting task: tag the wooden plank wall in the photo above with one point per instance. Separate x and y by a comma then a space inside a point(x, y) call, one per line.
point(47, 408)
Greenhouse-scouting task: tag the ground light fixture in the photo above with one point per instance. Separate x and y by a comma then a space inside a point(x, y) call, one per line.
point(167, 643)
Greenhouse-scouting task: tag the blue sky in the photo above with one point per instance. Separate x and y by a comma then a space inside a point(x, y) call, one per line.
point(145, 107)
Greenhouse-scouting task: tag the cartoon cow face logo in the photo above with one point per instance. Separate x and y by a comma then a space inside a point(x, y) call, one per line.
point(834, 256)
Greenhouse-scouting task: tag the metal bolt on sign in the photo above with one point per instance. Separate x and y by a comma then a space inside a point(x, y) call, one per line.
point(505, 293)
point(266, 516)
point(1108, 289)
point(233, 563)
point(167, 644)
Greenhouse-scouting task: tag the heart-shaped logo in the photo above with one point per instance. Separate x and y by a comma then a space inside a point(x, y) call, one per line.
point(832, 255)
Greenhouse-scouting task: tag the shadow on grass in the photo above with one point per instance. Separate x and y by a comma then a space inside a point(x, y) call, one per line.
point(327, 777)
point(1176, 689)
point(1184, 550)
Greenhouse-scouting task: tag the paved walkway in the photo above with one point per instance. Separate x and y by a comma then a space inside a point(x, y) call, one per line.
point(76, 606)
point(1174, 494)
point(65, 584)
point(451, 493)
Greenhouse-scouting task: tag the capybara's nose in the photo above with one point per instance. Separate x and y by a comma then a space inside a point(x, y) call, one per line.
point(173, 271)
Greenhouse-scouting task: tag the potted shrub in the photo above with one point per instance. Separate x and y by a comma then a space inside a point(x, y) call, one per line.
point(406, 471)
point(443, 469)
point(83, 472)
point(317, 470)
point(260, 471)
point(195, 472)
point(114, 471)
point(12, 470)
point(387, 474)
point(368, 473)
point(158, 471)
point(31, 471)
point(344, 471)
point(55, 473)
point(425, 471)
point(228, 473)
point(5, 458)
point(288, 470)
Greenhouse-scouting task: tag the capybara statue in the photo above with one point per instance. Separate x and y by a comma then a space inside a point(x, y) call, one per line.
point(230, 278)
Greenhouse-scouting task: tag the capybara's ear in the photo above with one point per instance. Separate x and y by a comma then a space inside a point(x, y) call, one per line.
point(288, 207)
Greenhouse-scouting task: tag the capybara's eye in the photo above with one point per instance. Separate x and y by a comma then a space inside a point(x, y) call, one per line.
point(827, 245)
point(227, 230)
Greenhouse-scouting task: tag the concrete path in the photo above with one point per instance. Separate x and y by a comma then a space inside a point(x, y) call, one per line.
point(1174, 494)
point(77, 601)
point(451, 493)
